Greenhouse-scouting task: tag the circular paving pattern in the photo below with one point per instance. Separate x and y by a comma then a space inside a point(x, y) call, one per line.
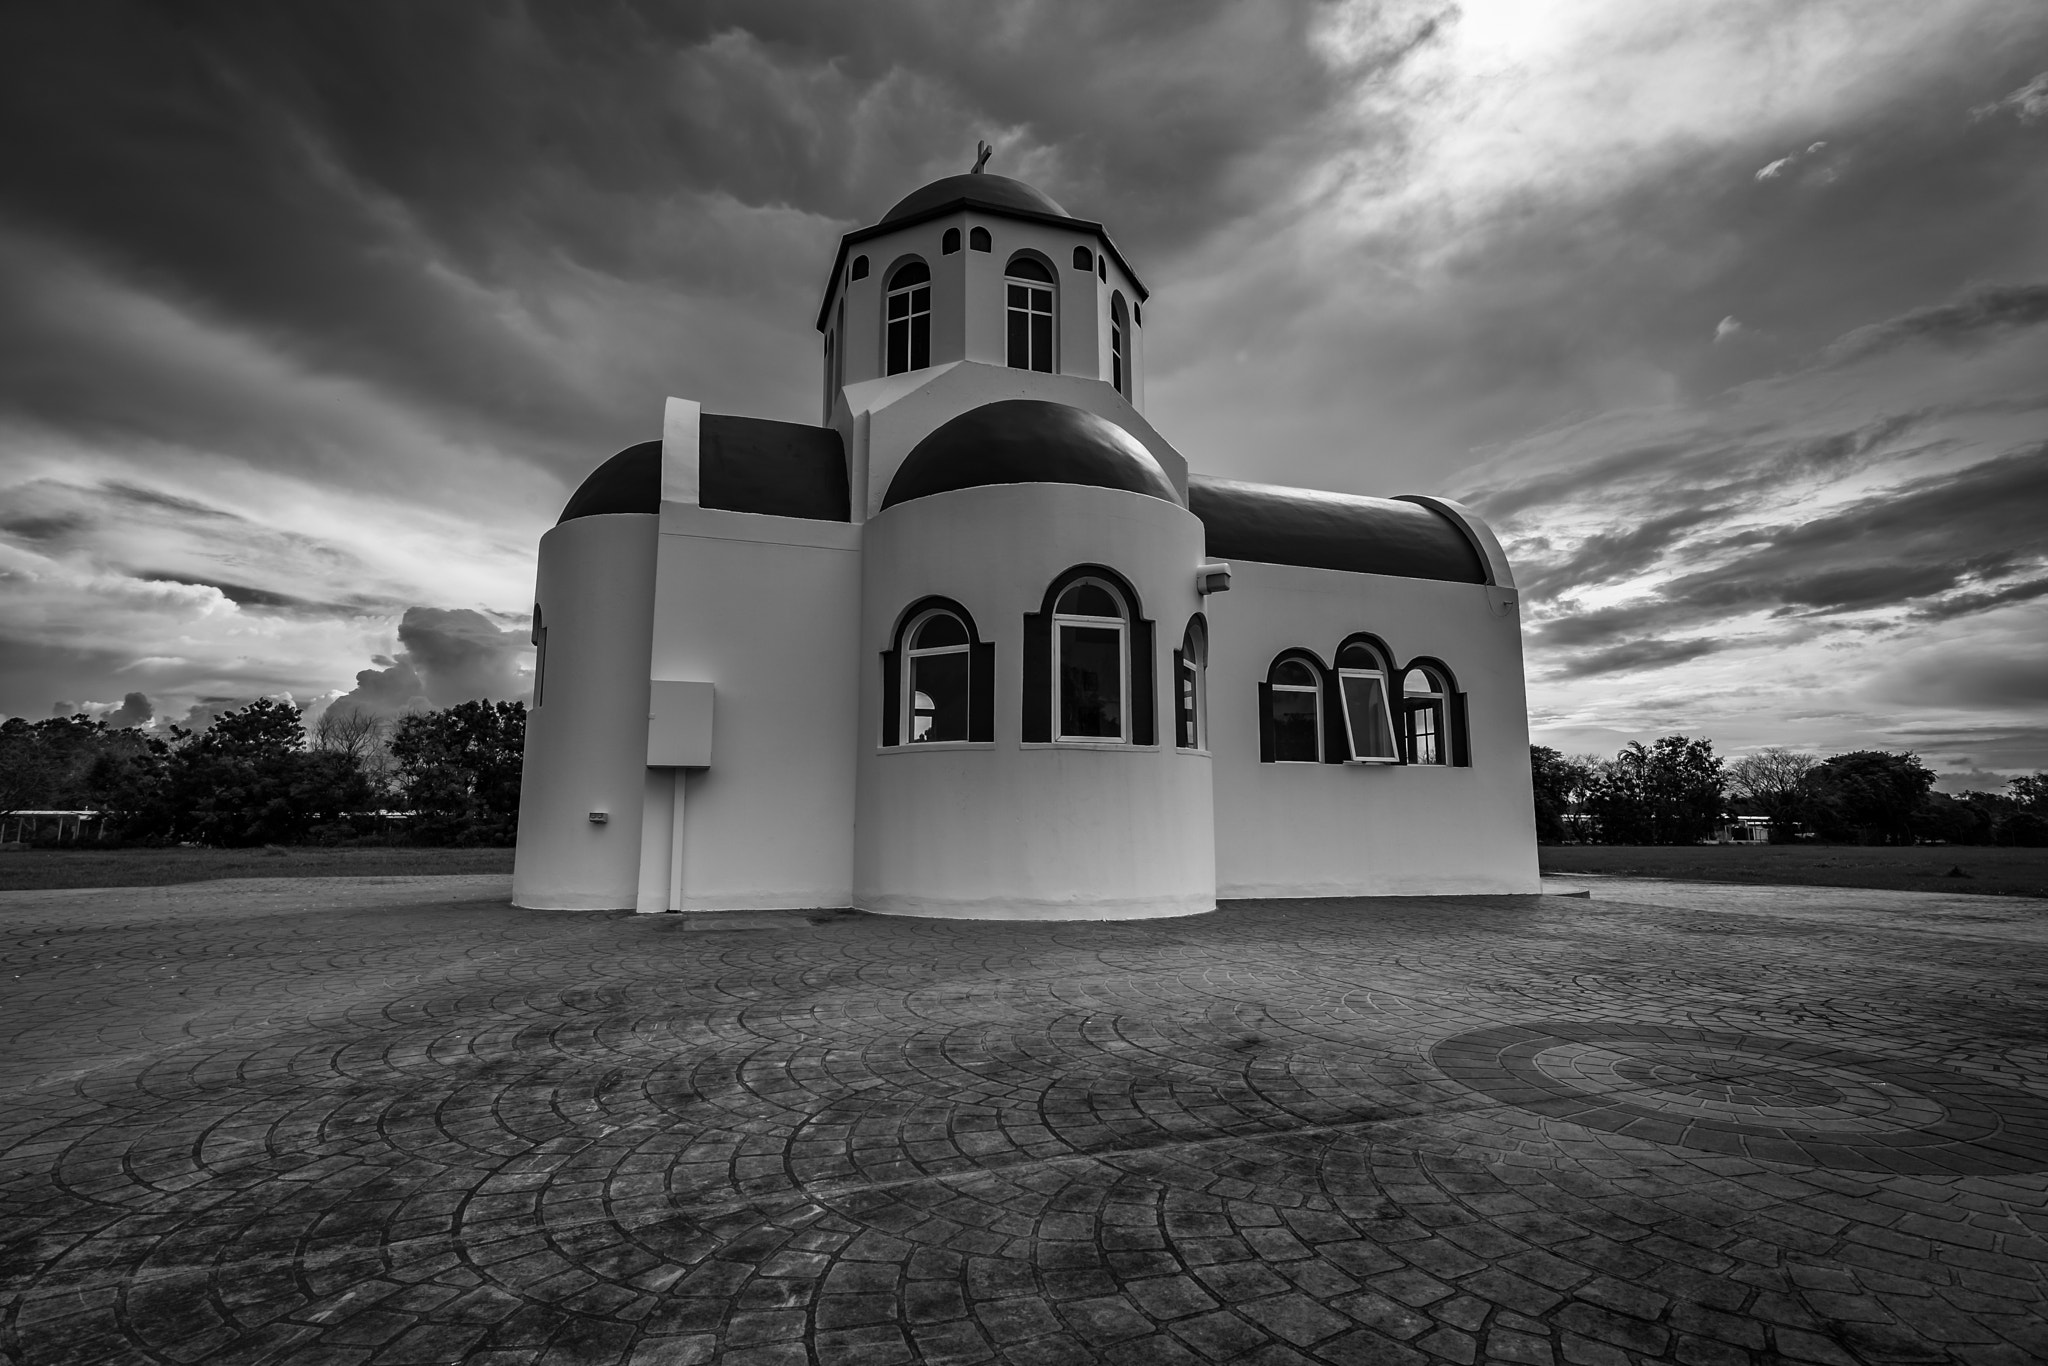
point(1753, 1095)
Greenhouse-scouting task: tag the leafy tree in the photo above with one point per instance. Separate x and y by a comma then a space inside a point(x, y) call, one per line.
point(2027, 823)
point(459, 771)
point(1561, 782)
point(1667, 793)
point(1868, 795)
point(1773, 780)
point(27, 767)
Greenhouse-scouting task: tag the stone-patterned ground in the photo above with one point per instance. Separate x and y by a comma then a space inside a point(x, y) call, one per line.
point(395, 1121)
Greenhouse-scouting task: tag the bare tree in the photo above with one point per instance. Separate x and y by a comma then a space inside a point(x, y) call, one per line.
point(352, 732)
point(1774, 779)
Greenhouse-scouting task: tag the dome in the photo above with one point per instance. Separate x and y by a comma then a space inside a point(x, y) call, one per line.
point(1319, 530)
point(981, 190)
point(628, 482)
point(1028, 441)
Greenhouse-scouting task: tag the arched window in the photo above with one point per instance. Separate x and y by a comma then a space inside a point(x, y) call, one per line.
point(1028, 286)
point(1425, 716)
point(1138, 314)
point(1368, 715)
point(860, 269)
point(540, 655)
point(909, 314)
point(1084, 259)
point(1102, 269)
point(1119, 346)
point(978, 240)
point(950, 243)
point(1092, 700)
point(1088, 664)
point(935, 675)
point(1291, 727)
point(1191, 687)
point(938, 677)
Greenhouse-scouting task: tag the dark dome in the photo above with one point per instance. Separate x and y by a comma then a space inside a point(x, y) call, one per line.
point(981, 190)
point(1321, 530)
point(628, 482)
point(1028, 441)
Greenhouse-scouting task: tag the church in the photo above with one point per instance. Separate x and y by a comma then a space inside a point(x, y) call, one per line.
point(979, 644)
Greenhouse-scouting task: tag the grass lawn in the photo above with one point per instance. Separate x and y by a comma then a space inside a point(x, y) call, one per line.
point(39, 869)
point(1918, 868)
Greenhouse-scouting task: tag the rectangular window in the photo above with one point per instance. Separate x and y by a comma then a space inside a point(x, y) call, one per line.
point(1030, 328)
point(1425, 733)
point(1367, 716)
point(1297, 732)
point(1090, 672)
point(910, 329)
point(938, 697)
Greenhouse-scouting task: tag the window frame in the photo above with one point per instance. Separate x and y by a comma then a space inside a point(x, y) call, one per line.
point(907, 291)
point(1119, 345)
point(1191, 672)
point(894, 714)
point(1048, 286)
point(1384, 672)
point(1122, 626)
point(1436, 700)
point(1314, 689)
point(907, 718)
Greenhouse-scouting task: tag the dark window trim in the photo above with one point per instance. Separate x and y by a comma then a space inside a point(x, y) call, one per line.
point(1456, 714)
point(1326, 679)
point(1037, 719)
point(981, 674)
point(540, 656)
point(1199, 741)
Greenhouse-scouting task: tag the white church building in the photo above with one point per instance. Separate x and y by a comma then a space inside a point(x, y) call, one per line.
point(980, 645)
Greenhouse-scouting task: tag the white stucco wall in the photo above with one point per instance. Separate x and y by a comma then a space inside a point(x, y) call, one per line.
point(586, 743)
point(1009, 830)
point(1296, 830)
point(767, 611)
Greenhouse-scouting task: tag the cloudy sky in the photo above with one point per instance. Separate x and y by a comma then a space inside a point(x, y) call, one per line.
point(1731, 314)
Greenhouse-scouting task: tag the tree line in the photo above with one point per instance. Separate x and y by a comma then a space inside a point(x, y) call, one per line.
point(1677, 791)
point(256, 775)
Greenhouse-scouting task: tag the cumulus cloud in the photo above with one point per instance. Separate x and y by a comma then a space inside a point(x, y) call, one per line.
point(445, 656)
point(1727, 328)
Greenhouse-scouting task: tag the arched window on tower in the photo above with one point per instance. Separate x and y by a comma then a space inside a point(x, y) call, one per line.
point(1191, 687)
point(979, 240)
point(1119, 345)
point(1028, 285)
point(909, 315)
point(950, 243)
point(1089, 674)
point(1368, 715)
point(938, 678)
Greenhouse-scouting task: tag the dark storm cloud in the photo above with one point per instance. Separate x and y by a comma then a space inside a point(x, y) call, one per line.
point(1635, 655)
point(393, 193)
point(1985, 309)
point(1608, 556)
point(264, 599)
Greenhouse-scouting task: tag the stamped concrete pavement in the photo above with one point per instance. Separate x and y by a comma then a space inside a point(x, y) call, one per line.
point(396, 1121)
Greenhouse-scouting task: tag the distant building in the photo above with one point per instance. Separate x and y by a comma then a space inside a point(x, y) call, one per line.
point(966, 649)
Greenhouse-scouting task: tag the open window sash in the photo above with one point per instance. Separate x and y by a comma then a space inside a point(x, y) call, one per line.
point(1368, 717)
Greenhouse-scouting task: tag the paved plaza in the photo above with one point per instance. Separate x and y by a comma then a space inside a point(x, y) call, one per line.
point(393, 1120)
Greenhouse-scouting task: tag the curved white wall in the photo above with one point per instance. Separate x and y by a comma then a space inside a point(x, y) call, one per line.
point(1006, 830)
point(586, 743)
